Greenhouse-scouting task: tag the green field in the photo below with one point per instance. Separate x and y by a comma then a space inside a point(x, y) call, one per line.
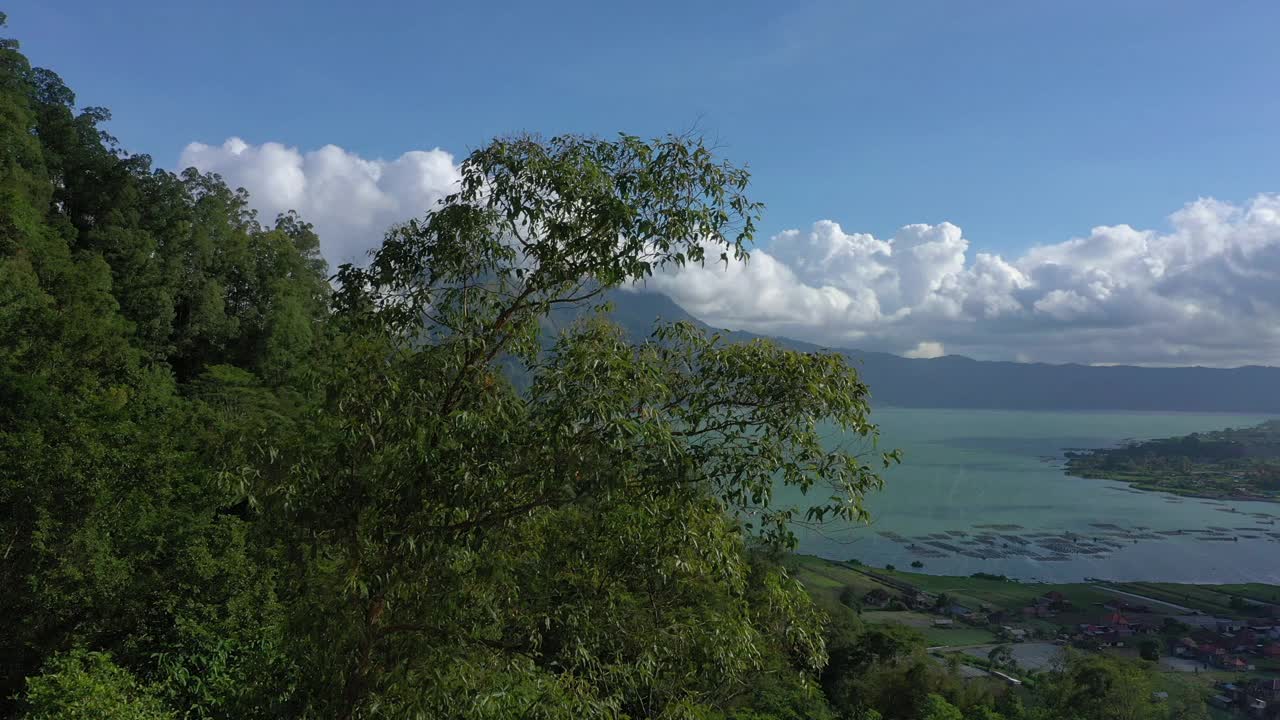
point(941, 637)
point(1212, 599)
point(1253, 591)
point(1198, 598)
point(935, 637)
point(826, 579)
point(910, 618)
point(1012, 596)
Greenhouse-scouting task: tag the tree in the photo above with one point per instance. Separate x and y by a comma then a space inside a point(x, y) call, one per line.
point(1001, 656)
point(850, 597)
point(936, 707)
point(113, 521)
point(460, 545)
point(1149, 650)
point(1096, 687)
point(89, 686)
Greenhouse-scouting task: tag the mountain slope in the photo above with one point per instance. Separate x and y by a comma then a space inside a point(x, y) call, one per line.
point(960, 382)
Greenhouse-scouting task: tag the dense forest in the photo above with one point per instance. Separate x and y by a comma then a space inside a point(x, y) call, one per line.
point(1235, 463)
point(234, 485)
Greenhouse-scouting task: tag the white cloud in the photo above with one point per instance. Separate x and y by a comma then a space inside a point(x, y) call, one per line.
point(926, 349)
point(351, 201)
point(1204, 290)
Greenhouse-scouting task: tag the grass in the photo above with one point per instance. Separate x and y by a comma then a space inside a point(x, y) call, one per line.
point(827, 579)
point(1254, 591)
point(957, 636)
point(1186, 595)
point(1007, 595)
point(826, 576)
point(1212, 599)
point(917, 620)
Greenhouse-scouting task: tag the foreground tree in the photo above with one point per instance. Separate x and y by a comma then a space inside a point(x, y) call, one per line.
point(116, 283)
point(463, 549)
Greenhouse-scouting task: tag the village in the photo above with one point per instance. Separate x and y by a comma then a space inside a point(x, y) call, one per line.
point(1223, 639)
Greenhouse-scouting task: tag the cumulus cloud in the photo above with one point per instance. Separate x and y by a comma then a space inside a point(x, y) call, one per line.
point(351, 201)
point(926, 349)
point(1203, 290)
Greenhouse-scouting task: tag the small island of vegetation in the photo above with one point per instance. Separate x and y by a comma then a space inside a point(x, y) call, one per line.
point(1230, 464)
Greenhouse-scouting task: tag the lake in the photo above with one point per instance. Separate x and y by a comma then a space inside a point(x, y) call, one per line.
point(984, 490)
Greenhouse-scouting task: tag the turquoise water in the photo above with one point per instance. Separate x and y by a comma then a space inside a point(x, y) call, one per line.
point(963, 469)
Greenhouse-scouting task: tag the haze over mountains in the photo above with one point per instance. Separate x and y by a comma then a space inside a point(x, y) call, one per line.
point(955, 381)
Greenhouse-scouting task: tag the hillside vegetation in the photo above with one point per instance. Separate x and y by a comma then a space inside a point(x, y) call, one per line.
point(1235, 463)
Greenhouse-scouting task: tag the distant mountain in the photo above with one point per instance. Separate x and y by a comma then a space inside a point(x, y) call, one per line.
point(955, 381)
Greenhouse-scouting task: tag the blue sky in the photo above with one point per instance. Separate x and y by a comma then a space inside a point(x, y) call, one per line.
point(1022, 122)
point(1025, 123)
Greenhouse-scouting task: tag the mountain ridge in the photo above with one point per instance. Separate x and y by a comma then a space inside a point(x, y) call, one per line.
point(962, 382)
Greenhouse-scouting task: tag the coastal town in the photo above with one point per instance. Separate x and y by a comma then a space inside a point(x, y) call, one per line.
point(1224, 641)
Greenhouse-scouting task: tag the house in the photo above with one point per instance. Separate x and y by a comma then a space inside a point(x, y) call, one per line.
point(963, 613)
point(1111, 639)
point(1213, 654)
point(1271, 650)
point(1017, 634)
point(1230, 626)
point(1038, 610)
point(920, 600)
point(1200, 621)
point(1266, 632)
point(1144, 629)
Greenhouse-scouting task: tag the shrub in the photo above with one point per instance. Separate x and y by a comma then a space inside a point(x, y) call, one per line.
point(88, 686)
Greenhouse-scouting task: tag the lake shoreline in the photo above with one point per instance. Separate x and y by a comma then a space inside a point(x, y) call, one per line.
point(974, 493)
